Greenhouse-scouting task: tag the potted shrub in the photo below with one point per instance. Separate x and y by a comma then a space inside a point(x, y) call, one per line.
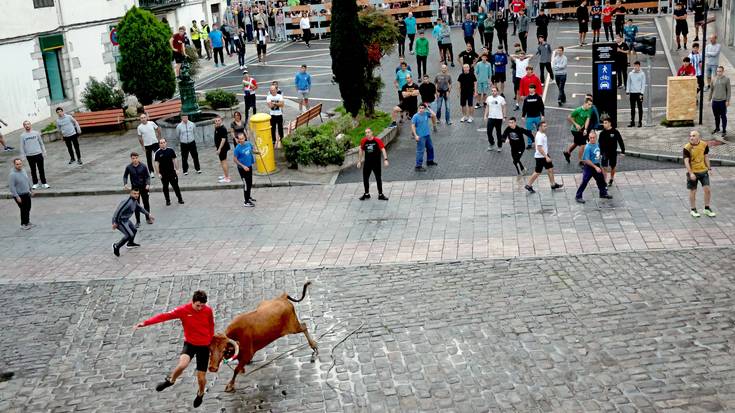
point(50, 133)
point(220, 99)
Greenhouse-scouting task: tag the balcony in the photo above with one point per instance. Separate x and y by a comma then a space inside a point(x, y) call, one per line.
point(160, 5)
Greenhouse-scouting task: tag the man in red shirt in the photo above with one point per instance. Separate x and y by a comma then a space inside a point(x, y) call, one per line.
point(607, 16)
point(177, 46)
point(371, 148)
point(687, 69)
point(197, 319)
point(528, 80)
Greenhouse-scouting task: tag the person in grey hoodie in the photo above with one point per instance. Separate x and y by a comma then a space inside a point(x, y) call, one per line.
point(32, 148)
point(544, 53)
point(635, 89)
point(121, 221)
point(559, 65)
point(20, 190)
point(70, 131)
point(719, 94)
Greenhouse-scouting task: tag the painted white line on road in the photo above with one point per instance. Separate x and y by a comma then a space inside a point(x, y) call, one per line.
point(298, 58)
point(582, 73)
point(296, 66)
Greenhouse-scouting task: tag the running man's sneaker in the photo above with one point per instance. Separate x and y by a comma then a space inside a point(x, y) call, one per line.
point(71, 161)
point(382, 197)
point(181, 201)
point(489, 148)
point(694, 213)
point(606, 196)
point(567, 156)
point(131, 245)
point(164, 384)
point(45, 186)
point(248, 204)
point(35, 186)
point(9, 148)
point(516, 107)
point(364, 197)
point(198, 400)
point(199, 171)
point(710, 213)
point(116, 251)
point(470, 120)
point(580, 200)
point(556, 186)
point(186, 173)
point(79, 161)
point(530, 189)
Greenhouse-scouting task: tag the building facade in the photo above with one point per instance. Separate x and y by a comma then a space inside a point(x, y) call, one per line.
point(51, 48)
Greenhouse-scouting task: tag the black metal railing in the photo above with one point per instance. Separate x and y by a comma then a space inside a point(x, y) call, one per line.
point(159, 4)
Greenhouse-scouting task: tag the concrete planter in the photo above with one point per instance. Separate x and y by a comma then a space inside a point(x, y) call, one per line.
point(388, 135)
point(51, 136)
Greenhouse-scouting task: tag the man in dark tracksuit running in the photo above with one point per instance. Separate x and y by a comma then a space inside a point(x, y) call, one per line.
point(514, 135)
point(140, 179)
point(370, 149)
point(121, 221)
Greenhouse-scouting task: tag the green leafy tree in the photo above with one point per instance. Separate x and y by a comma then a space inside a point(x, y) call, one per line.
point(145, 57)
point(379, 33)
point(349, 56)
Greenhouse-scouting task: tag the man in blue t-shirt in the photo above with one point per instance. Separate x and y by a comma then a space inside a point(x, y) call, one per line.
point(468, 27)
point(592, 169)
point(244, 159)
point(410, 30)
point(215, 37)
point(500, 62)
point(421, 132)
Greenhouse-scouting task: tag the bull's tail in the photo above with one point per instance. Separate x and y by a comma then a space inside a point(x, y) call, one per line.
point(303, 293)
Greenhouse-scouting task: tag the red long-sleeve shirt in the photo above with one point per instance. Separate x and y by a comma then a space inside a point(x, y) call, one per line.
point(198, 325)
point(527, 81)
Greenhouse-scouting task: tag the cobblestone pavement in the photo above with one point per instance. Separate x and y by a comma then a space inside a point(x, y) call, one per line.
point(639, 331)
point(319, 226)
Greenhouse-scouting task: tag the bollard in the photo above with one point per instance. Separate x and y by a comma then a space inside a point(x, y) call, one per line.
point(260, 123)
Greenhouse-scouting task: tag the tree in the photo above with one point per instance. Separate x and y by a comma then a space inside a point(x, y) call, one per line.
point(349, 56)
point(102, 95)
point(145, 56)
point(379, 33)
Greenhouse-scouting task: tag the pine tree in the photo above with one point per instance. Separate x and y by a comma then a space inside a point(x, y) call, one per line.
point(145, 57)
point(349, 56)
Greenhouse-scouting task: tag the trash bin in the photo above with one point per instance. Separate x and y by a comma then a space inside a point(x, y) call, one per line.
point(266, 161)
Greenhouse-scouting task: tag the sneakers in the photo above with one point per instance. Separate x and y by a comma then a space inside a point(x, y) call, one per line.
point(253, 199)
point(198, 400)
point(164, 384)
point(25, 227)
point(220, 177)
point(516, 107)
point(610, 183)
point(224, 180)
point(8, 148)
point(186, 173)
point(35, 186)
point(116, 251)
point(489, 148)
point(469, 120)
point(463, 119)
point(45, 186)
point(567, 156)
point(580, 200)
point(382, 197)
point(181, 202)
point(199, 171)
point(131, 245)
point(79, 161)
point(709, 213)
point(248, 204)
point(432, 163)
point(420, 169)
point(168, 203)
point(694, 213)
point(498, 150)
point(530, 189)
point(364, 197)
point(71, 161)
point(556, 186)
point(137, 225)
point(606, 196)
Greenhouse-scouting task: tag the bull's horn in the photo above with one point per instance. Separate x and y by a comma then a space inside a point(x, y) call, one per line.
point(237, 348)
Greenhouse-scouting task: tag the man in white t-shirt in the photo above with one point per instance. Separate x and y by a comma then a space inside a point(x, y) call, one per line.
point(305, 26)
point(494, 114)
point(274, 101)
point(521, 61)
point(148, 136)
point(543, 160)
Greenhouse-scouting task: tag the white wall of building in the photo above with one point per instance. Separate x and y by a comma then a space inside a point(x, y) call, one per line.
point(18, 87)
point(19, 18)
point(194, 10)
point(76, 11)
point(85, 46)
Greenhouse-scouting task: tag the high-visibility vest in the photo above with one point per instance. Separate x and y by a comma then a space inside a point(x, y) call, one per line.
point(194, 33)
point(204, 32)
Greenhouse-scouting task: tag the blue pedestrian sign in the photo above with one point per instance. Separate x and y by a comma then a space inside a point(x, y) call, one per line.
point(604, 76)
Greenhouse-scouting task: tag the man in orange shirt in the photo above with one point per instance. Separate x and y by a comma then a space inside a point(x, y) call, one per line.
point(197, 319)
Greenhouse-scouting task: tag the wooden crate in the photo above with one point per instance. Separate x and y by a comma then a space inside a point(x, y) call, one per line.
point(681, 98)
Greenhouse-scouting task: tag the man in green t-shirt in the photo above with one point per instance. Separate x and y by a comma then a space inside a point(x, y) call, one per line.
point(422, 53)
point(580, 120)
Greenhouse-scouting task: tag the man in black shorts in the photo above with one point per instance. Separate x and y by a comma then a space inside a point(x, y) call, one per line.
point(698, 8)
point(596, 19)
point(583, 18)
point(467, 91)
point(197, 319)
point(682, 27)
point(609, 140)
point(543, 160)
point(221, 147)
point(410, 103)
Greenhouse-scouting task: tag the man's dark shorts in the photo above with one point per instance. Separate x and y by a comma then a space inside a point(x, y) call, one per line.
point(178, 57)
point(465, 98)
point(541, 164)
point(411, 109)
point(200, 352)
point(583, 27)
point(702, 177)
point(580, 138)
point(610, 160)
point(499, 77)
point(682, 29)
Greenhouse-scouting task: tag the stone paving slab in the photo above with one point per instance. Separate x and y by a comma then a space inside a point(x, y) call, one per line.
point(322, 226)
point(633, 331)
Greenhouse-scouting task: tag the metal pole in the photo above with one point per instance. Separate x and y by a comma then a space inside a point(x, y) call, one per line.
point(649, 115)
point(701, 48)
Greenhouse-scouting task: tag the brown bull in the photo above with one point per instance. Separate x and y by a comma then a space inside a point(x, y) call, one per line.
point(252, 331)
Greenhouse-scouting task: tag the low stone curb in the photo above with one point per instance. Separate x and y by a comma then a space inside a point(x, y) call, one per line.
point(207, 187)
point(675, 158)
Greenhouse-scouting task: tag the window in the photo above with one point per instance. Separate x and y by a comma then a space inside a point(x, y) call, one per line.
point(43, 3)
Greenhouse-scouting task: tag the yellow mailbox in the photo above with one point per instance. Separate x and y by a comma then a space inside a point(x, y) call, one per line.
point(266, 161)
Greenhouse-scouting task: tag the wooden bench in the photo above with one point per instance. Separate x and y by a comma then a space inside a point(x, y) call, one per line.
point(304, 118)
point(163, 109)
point(550, 10)
point(100, 118)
